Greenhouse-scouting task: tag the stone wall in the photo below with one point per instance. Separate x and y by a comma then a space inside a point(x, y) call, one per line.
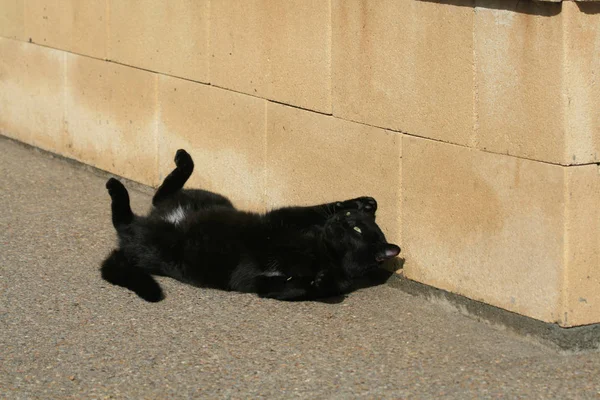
point(475, 123)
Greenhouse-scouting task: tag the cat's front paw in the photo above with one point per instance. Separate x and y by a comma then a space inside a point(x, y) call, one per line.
point(330, 283)
point(365, 203)
point(183, 160)
point(324, 280)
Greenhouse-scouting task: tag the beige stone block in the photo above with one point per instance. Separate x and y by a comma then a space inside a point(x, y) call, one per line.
point(12, 19)
point(582, 294)
point(487, 226)
point(239, 46)
point(73, 25)
point(164, 36)
point(112, 117)
point(313, 159)
point(224, 132)
point(519, 80)
point(32, 101)
point(279, 50)
point(405, 65)
point(300, 55)
point(582, 82)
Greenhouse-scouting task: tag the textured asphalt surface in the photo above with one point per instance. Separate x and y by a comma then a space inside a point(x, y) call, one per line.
point(64, 333)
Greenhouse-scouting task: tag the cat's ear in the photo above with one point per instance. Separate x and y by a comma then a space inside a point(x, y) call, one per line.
point(387, 251)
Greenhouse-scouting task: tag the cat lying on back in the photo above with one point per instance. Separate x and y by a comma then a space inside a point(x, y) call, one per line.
point(198, 237)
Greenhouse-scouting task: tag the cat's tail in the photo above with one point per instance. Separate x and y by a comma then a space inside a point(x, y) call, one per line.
point(117, 270)
point(121, 210)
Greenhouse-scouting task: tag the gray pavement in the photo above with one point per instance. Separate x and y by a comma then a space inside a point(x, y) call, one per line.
point(64, 333)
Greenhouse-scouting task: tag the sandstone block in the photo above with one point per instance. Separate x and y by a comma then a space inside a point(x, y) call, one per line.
point(519, 108)
point(486, 226)
point(170, 37)
point(405, 65)
point(582, 85)
point(582, 252)
point(32, 99)
point(112, 117)
point(73, 25)
point(277, 50)
point(12, 19)
point(223, 131)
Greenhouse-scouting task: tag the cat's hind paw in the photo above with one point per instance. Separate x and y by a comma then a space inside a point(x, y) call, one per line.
point(183, 159)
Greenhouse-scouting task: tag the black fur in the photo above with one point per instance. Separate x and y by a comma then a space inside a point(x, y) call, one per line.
point(292, 253)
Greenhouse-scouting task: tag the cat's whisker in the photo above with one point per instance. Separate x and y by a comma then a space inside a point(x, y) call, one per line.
point(327, 211)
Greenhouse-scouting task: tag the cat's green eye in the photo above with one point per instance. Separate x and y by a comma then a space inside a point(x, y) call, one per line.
point(357, 229)
point(348, 213)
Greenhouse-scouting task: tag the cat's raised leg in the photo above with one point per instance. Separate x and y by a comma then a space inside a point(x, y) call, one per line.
point(117, 270)
point(177, 178)
point(121, 210)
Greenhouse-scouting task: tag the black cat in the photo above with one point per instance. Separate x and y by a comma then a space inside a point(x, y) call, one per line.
point(198, 237)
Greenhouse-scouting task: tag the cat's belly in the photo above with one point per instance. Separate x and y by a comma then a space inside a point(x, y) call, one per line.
point(243, 277)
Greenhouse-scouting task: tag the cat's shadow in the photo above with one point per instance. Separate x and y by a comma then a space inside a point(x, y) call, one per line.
point(376, 277)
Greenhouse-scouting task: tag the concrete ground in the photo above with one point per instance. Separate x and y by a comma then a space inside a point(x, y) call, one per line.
point(64, 333)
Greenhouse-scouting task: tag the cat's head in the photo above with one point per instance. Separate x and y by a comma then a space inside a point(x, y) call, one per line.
point(357, 242)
